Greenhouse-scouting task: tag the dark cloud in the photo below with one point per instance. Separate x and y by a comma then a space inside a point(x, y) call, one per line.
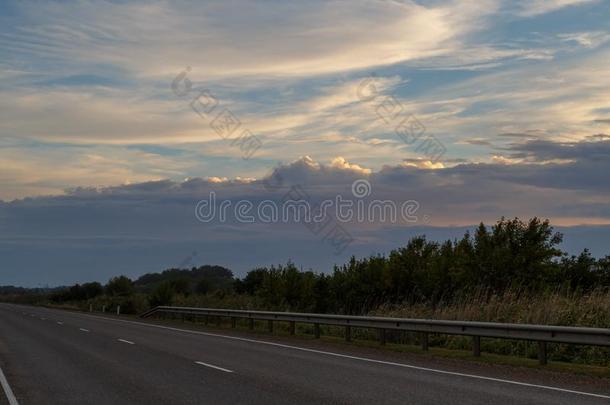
point(526, 135)
point(477, 142)
point(544, 150)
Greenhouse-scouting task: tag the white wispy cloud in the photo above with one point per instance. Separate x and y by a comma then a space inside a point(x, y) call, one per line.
point(158, 38)
point(531, 8)
point(591, 39)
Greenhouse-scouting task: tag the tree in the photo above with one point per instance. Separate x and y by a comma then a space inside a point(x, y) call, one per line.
point(254, 280)
point(515, 253)
point(120, 286)
point(203, 286)
point(181, 286)
point(92, 290)
point(580, 271)
point(162, 295)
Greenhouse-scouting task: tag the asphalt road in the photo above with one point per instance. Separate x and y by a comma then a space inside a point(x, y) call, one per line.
point(58, 357)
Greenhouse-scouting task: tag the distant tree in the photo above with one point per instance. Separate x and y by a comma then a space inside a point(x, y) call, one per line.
point(218, 278)
point(254, 280)
point(603, 271)
point(204, 286)
point(516, 253)
point(120, 286)
point(162, 295)
point(92, 290)
point(77, 292)
point(238, 286)
point(181, 286)
point(580, 271)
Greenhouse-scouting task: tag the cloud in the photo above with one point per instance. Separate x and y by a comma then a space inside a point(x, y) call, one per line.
point(597, 148)
point(476, 141)
point(94, 232)
point(99, 127)
point(422, 164)
point(547, 100)
point(290, 72)
point(591, 39)
point(159, 38)
point(528, 175)
point(342, 164)
point(532, 8)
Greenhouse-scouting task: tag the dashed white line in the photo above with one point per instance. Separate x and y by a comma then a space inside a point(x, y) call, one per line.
point(60, 323)
point(126, 341)
point(84, 330)
point(12, 400)
point(201, 363)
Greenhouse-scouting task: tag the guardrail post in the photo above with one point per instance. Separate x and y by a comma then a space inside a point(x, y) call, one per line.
point(348, 333)
point(103, 308)
point(424, 341)
point(270, 325)
point(251, 323)
point(476, 346)
point(118, 310)
point(382, 337)
point(90, 307)
point(292, 327)
point(316, 330)
point(233, 322)
point(542, 353)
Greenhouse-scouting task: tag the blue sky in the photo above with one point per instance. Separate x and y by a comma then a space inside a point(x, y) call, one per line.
point(515, 91)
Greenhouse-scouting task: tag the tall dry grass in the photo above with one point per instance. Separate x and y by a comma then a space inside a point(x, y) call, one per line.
point(550, 308)
point(515, 306)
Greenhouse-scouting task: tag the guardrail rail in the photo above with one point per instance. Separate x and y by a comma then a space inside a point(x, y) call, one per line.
point(539, 333)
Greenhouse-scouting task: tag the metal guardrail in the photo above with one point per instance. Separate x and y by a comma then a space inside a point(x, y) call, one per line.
point(540, 333)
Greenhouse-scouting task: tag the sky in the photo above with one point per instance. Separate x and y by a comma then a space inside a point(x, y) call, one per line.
point(117, 118)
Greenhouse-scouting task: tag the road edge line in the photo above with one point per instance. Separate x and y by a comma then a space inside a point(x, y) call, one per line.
point(12, 400)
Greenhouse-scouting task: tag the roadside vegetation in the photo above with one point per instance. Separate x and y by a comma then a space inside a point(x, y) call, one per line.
point(510, 272)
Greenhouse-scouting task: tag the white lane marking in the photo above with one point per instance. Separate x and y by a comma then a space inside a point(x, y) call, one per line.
point(389, 363)
point(84, 330)
point(43, 319)
point(60, 323)
point(201, 363)
point(7, 389)
point(126, 341)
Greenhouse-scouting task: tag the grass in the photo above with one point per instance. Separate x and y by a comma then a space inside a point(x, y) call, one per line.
point(551, 308)
point(515, 306)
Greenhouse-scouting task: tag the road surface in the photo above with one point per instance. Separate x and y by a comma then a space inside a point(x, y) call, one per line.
point(59, 357)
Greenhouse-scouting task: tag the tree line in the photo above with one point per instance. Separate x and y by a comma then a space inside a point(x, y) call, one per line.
point(510, 255)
